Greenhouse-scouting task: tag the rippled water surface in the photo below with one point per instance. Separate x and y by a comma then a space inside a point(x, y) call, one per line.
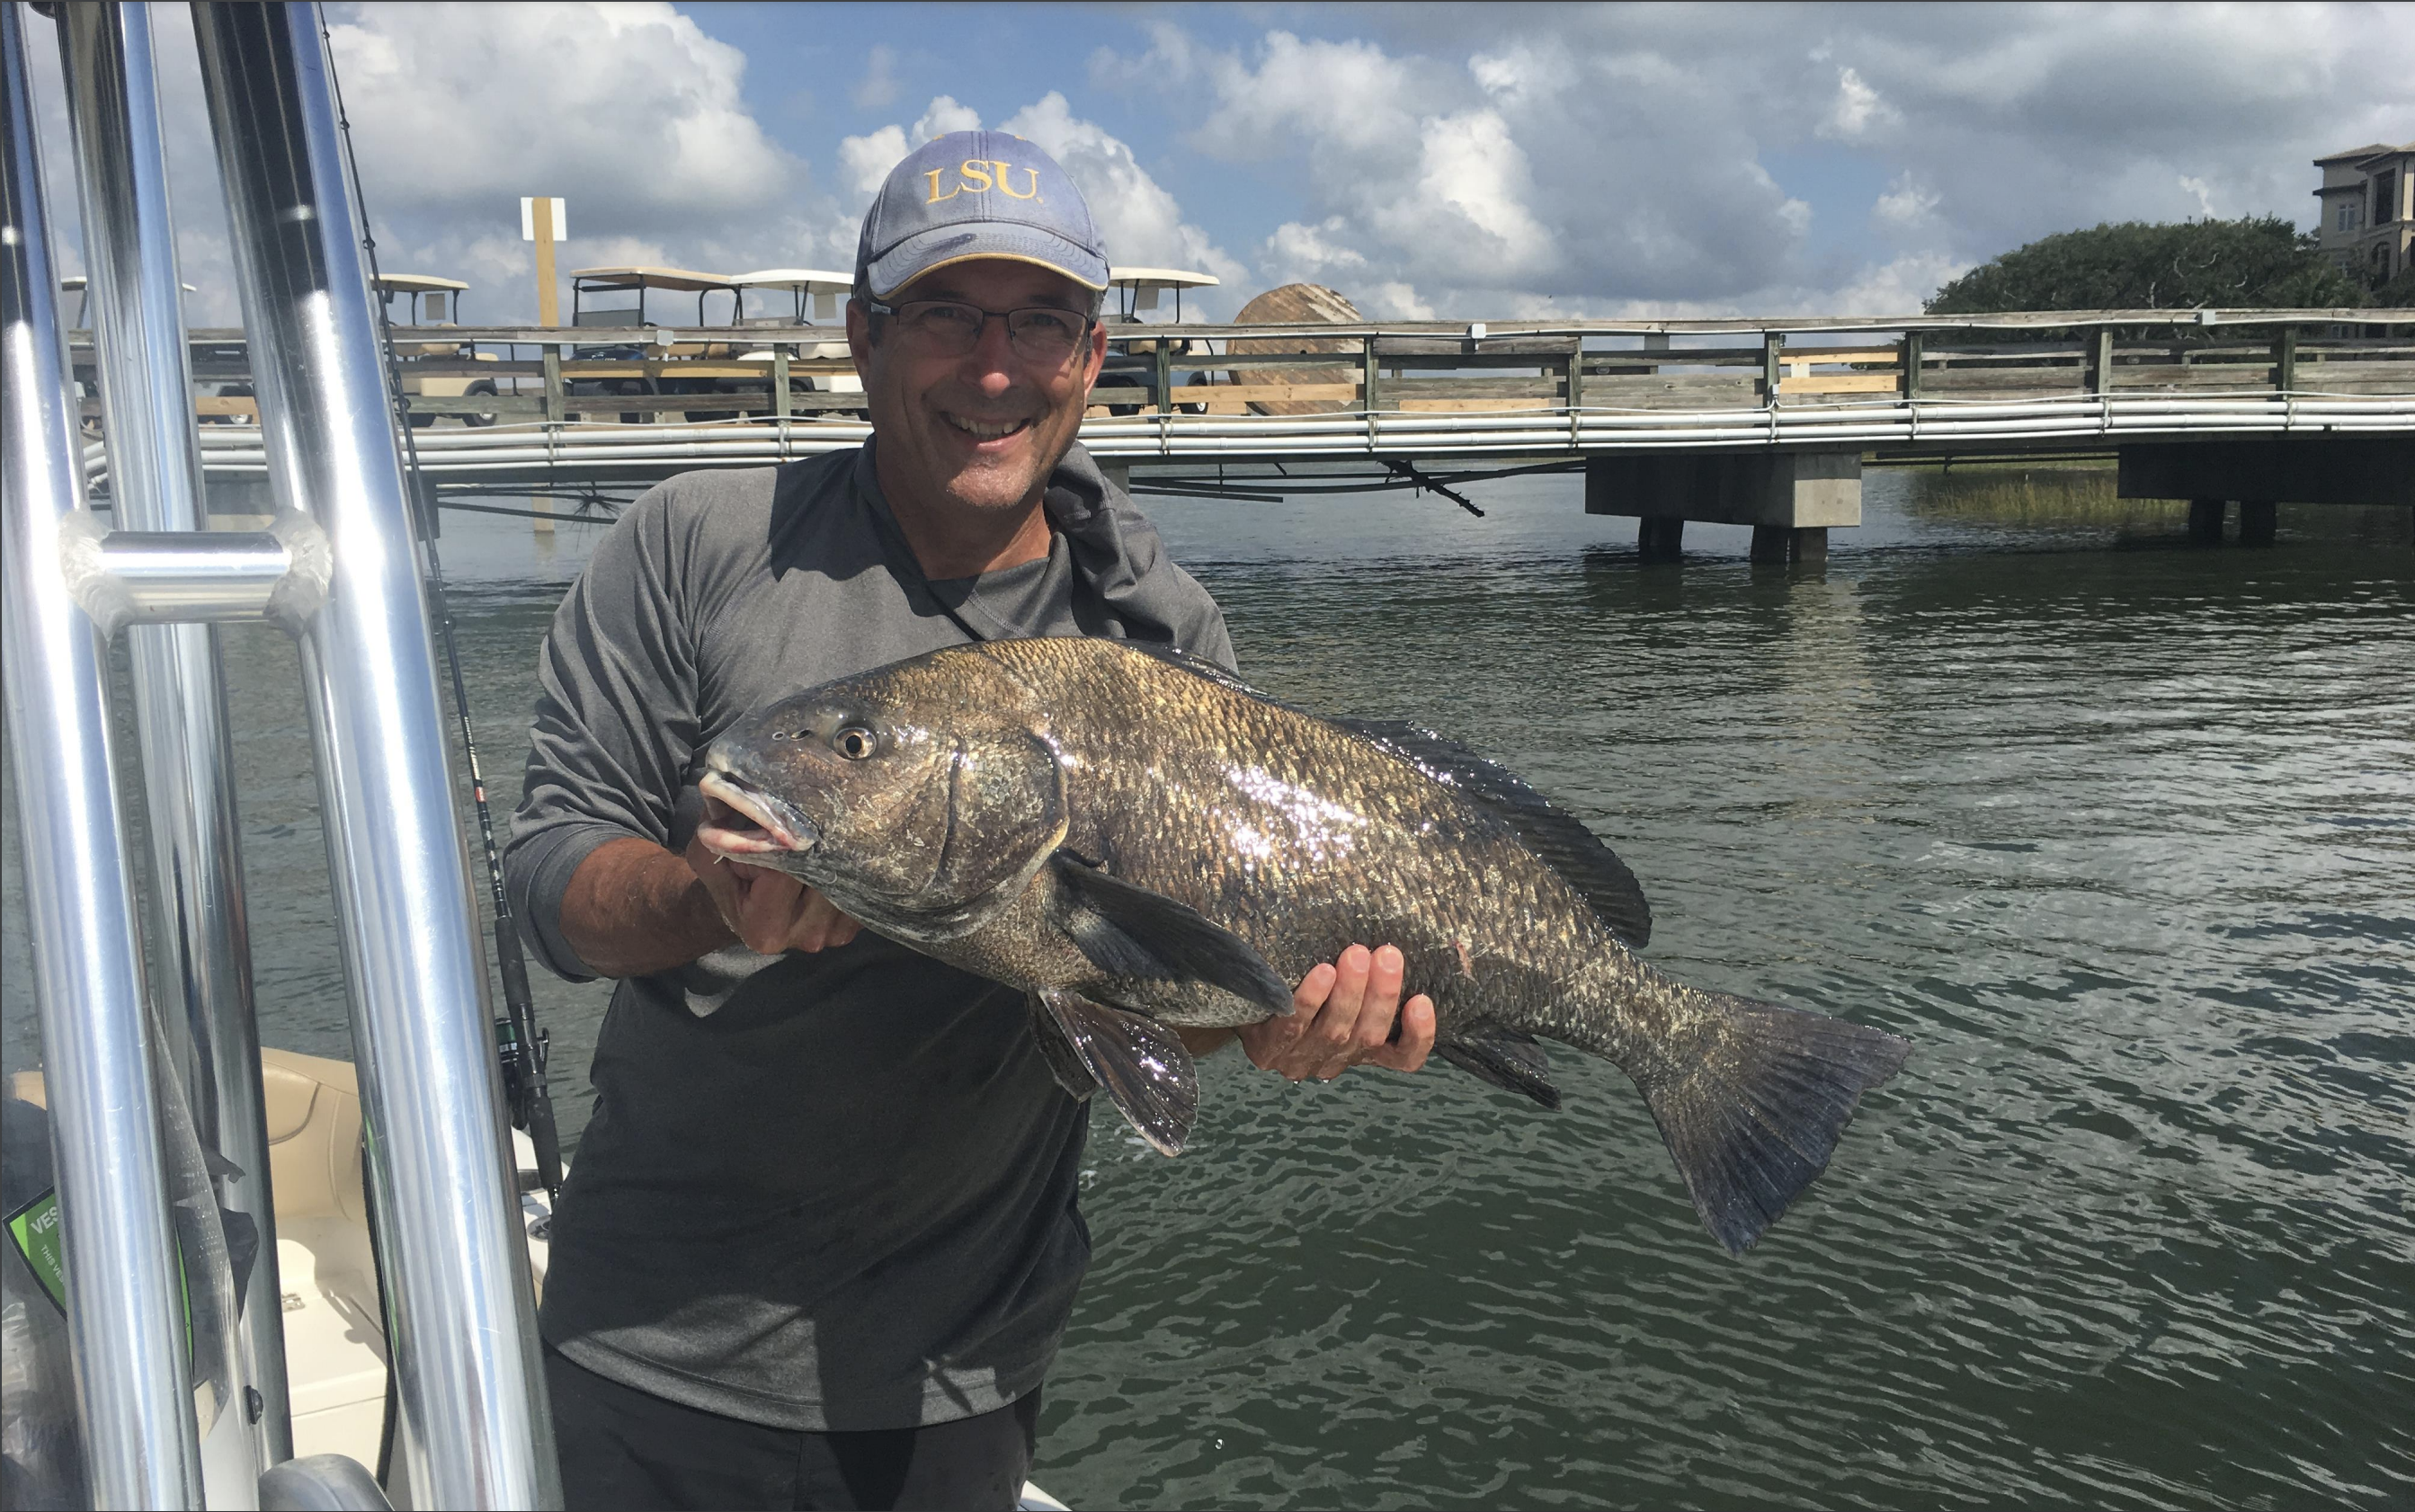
point(2120, 833)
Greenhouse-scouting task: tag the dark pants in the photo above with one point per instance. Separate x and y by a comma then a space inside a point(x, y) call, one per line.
point(622, 1447)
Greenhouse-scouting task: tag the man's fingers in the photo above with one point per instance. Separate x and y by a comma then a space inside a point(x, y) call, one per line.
point(1416, 1037)
point(1379, 1010)
point(1338, 1020)
point(819, 924)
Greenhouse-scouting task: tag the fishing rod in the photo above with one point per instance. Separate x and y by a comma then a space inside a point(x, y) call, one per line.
point(521, 1046)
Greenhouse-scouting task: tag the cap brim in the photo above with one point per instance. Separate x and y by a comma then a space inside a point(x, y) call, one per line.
point(941, 247)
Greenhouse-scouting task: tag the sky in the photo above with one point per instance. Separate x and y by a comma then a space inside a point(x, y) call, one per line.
point(1446, 161)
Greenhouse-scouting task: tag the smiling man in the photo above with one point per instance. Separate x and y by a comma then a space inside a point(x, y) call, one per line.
point(821, 1238)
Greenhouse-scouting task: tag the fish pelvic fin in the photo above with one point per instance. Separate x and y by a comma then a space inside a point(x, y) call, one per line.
point(1140, 1064)
point(1752, 1109)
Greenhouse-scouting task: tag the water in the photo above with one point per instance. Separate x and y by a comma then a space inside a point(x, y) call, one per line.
point(2119, 832)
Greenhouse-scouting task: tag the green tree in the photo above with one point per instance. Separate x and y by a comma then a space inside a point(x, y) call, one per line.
point(2254, 262)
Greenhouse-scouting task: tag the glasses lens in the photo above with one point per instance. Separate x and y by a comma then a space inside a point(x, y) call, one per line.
point(949, 327)
point(1048, 335)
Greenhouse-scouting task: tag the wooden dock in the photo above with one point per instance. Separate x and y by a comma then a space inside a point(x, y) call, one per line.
point(1746, 421)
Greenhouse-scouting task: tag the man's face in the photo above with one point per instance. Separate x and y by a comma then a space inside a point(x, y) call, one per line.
point(984, 429)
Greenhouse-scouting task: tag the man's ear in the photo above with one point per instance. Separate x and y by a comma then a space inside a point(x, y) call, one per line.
point(1098, 358)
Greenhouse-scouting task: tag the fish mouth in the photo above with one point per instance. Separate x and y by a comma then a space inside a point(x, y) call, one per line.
point(741, 819)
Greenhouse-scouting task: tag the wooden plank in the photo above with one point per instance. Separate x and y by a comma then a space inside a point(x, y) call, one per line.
point(1473, 406)
point(1842, 383)
point(226, 404)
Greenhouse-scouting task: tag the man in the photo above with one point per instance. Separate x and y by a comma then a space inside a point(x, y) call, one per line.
point(821, 1241)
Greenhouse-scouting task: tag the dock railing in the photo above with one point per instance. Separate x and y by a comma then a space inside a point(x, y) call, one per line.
point(566, 405)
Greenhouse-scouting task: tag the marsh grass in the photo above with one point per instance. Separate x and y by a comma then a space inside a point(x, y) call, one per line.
point(2029, 494)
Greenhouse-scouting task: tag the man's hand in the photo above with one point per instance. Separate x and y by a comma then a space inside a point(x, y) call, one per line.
point(769, 911)
point(1344, 1015)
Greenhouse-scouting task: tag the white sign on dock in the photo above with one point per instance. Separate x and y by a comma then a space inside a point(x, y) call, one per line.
point(527, 219)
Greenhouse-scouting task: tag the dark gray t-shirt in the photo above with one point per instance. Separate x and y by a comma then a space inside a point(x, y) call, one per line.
point(825, 1191)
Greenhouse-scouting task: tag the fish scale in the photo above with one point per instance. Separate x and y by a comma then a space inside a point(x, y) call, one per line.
point(1137, 840)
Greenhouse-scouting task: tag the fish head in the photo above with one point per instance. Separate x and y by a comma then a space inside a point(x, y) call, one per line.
point(914, 797)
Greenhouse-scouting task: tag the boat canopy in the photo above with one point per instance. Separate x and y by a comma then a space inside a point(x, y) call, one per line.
point(784, 292)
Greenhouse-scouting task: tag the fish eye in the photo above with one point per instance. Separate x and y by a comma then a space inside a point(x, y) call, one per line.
point(854, 741)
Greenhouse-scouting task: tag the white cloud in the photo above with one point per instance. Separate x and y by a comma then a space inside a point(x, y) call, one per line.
point(1140, 220)
point(1299, 253)
point(1905, 204)
point(1857, 110)
point(945, 115)
point(878, 88)
point(868, 159)
point(2204, 195)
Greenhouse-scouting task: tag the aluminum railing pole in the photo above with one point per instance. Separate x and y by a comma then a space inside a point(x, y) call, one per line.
point(122, 1302)
point(155, 483)
point(463, 1337)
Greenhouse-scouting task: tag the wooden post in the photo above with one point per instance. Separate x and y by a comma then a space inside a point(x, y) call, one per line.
point(2100, 361)
point(554, 412)
point(780, 383)
point(1772, 344)
point(1366, 381)
point(1165, 376)
point(1575, 394)
point(1912, 364)
point(2285, 360)
point(548, 300)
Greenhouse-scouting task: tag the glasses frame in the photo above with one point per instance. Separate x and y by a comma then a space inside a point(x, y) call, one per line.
point(1089, 322)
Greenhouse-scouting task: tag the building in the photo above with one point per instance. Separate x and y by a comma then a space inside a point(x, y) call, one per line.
point(2368, 208)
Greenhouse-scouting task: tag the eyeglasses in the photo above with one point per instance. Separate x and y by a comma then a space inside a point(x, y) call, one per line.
point(951, 328)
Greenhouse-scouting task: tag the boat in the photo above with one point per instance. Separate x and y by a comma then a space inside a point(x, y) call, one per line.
point(240, 1278)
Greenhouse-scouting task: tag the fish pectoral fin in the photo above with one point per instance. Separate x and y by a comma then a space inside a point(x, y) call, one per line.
point(1129, 931)
point(1140, 1063)
point(1506, 1059)
point(1065, 1062)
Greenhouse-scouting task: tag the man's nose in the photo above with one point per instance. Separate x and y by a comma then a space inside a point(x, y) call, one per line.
point(991, 365)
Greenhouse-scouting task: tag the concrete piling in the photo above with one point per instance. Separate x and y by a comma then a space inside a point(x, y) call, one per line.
point(2205, 521)
point(2256, 521)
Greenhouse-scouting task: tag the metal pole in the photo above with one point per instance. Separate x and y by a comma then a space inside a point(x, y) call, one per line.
point(123, 1303)
point(155, 483)
point(461, 1310)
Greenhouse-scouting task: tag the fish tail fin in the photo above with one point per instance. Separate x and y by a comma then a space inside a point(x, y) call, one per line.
point(1753, 1110)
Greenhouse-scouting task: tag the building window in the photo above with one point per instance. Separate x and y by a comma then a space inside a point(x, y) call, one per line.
point(2347, 215)
point(2385, 199)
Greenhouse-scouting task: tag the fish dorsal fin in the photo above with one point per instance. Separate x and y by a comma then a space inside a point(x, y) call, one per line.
point(1129, 931)
point(1558, 838)
point(1506, 1059)
point(1139, 1063)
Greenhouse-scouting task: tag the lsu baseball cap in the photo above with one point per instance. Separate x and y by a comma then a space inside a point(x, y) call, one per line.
point(974, 194)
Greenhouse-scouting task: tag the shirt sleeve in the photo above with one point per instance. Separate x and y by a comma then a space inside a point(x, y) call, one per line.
point(616, 722)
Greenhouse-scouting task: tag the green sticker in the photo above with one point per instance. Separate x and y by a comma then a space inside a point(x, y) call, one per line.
point(35, 1227)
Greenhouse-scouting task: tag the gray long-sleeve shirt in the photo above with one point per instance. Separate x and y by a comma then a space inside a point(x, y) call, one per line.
point(824, 1191)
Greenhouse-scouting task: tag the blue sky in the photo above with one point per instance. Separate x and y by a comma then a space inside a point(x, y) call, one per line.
point(1469, 160)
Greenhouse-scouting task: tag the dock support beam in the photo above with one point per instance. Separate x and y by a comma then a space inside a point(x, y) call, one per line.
point(1661, 538)
point(1791, 499)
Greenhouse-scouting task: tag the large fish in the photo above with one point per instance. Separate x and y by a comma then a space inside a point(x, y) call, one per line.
point(1138, 840)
